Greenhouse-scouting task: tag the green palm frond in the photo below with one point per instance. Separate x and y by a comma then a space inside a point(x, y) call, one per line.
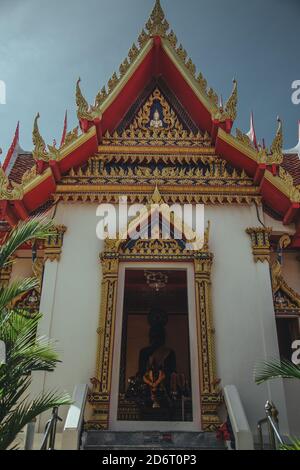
point(25, 352)
point(295, 445)
point(36, 227)
point(22, 345)
point(274, 369)
point(26, 412)
point(16, 289)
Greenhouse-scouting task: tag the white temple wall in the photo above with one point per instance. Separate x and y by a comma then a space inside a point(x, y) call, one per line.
point(241, 300)
point(243, 310)
point(71, 301)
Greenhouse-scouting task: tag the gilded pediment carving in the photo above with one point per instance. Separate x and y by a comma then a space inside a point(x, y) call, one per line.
point(156, 123)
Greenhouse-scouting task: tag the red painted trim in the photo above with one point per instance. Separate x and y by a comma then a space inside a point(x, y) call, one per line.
point(55, 170)
point(7, 213)
point(113, 115)
point(11, 148)
point(40, 194)
point(20, 210)
point(259, 174)
point(291, 212)
point(200, 115)
point(274, 198)
point(235, 157)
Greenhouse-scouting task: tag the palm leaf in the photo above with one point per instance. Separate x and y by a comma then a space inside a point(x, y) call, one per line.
point(295, 445)
point(36, 227)
point(25, 413)
point(22, 346)
point(274, 369)
point(15, 290)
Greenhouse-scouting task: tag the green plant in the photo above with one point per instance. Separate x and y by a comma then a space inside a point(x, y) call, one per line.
point(278, 369)
point(25, 353)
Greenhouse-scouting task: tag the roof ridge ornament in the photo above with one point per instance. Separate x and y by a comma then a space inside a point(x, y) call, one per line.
point(157, 24)
point(84, 110)
point(231, 105)
point(276, 147)
point(273, 156)
point(39, 151)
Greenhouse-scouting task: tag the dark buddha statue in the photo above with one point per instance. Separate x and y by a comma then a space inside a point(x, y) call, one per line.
point(157, 364)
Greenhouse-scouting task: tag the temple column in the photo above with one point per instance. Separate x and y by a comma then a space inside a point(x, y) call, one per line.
point(209, 390)
point(48, 272)
point(266, 316)
point(100, 398)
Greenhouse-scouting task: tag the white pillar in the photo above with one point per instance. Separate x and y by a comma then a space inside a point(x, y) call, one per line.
point(45, 324)
point(266, 317)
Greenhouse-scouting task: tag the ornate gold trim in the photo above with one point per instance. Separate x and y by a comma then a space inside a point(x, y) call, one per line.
point(53, 244)
point(172, 194)
point(117, 251)
point(9, 190)
point(286, 300)
point(260, 241)
point(161, 151)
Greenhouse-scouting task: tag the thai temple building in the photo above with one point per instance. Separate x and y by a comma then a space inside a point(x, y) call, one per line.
point(121, 309)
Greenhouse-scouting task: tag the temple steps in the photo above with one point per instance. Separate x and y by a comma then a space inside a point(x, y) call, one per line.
point(111, 440)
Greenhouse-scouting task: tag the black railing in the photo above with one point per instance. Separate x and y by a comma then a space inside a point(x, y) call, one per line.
point(48, 442)
point(271, 420)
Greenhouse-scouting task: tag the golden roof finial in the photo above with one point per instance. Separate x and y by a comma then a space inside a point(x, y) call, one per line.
point(157, 24)
point(276, 147)
point(231, 105)
point(82, 104)
point(39, 151)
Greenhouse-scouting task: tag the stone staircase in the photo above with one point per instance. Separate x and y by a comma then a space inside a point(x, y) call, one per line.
point(109, 440)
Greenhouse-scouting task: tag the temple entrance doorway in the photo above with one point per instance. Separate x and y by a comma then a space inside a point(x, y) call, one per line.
point(155, 374)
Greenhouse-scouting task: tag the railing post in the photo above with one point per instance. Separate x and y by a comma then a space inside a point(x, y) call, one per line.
point(273, 426)
point(29, 439)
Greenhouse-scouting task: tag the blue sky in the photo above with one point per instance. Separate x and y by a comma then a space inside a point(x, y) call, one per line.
point(45, 46)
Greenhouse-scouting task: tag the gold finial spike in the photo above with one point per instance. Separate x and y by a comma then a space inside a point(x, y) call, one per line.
point(38, 141)
point(231, 105)
point(276, 147)
point(157, 24)
point(156, 197)
point(82, 104)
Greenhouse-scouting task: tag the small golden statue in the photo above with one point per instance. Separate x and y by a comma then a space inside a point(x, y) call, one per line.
point(149, 379)
point(156, 122)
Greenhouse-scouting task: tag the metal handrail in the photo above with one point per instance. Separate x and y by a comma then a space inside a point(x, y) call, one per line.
point(48, 442)
point(271, 420)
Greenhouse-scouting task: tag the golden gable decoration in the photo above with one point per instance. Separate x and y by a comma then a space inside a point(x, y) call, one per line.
point(157, 124)
point(286, 300)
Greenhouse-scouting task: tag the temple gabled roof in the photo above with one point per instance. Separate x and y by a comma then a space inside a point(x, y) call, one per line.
point(31, 179)
point(157, 54)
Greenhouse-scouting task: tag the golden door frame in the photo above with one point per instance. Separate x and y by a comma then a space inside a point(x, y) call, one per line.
point(117, 251)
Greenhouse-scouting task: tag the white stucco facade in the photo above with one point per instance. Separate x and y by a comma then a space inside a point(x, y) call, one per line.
point(242, 306)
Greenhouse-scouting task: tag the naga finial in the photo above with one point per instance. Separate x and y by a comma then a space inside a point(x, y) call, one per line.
point(157, 24)
point(82, 104)
point(39, 151)
point(231, 105)
point(276, 147)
